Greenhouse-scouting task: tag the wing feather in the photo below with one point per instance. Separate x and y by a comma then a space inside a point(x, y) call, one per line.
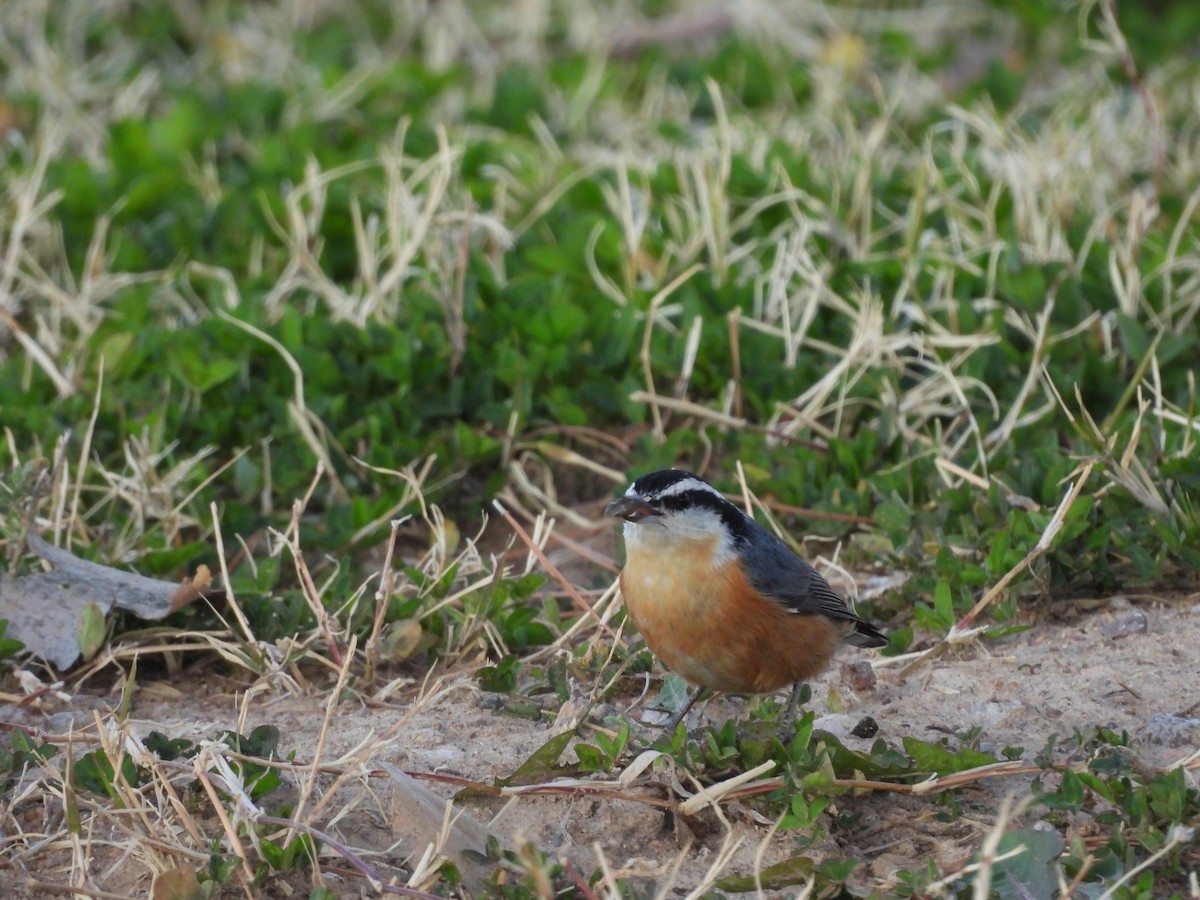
point(782, 576)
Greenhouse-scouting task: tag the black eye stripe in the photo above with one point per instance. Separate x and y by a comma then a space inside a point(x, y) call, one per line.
point(689, 500)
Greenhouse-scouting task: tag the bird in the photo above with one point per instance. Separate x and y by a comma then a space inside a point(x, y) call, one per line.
point(721, 600)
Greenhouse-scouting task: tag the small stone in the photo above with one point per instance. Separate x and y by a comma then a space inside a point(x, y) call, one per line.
point(1132, 622)
point(1173, 731)
point(866, 728)
point(70, 720)
point(859, 675)
point(568, 715)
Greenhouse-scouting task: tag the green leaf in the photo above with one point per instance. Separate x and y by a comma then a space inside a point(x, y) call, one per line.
point(91, 629)
point(1133, 335)
point(896, 521)
point(517, 96)
point(1033, 871)
point(220, 868)
point(592, 759)
point(673, 694)
point(789, 872)
point(200, 374)
point(263, 741)
point(272, 854)
point(997, 560)
point(502, 677)
point(613, 747)
point(168, 748)
point(541, 764)
point(881, 763)
point(94, 772)
point(8, 646)
point(805, 810)
point(936, 759)
point(943, 603)
point(26, 753)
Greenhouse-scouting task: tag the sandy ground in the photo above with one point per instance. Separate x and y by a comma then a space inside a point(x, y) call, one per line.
point(1097, 668)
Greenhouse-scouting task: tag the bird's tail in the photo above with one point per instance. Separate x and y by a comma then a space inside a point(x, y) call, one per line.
point(864, 634)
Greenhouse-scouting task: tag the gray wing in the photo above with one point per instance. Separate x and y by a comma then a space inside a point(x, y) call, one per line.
point(780, 575)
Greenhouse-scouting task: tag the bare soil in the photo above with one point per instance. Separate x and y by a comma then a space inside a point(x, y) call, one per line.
point(1050, 680)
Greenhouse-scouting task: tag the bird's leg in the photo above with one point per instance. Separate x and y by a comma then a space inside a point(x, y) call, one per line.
point(793, 705)
point(701, 693)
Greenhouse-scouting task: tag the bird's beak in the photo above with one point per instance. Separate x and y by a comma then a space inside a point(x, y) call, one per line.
point(631, 509)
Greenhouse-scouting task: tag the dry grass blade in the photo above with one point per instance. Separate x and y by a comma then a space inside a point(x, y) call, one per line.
point(1004, 431)
point(570, 457)
point(360, 865)
point(964, 629)
point(982, 870)
point(426, 820)
point(231, 833)
point(1177, 834)
point(543, 496)
point(29, 209)
point(714, 792)
point(331, 704)
point(382, 595)
point(582, 551)
point(718, 867)
point(861, 248)
point(552, 570)
point(652, 317)
point(311, 428)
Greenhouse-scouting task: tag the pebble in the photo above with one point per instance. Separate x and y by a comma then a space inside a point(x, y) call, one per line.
point(860, 675)
point(866, 728)
point(1173, 731)
point(1132, 622)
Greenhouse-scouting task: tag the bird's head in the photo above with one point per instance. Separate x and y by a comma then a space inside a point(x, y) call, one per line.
point(672, 505)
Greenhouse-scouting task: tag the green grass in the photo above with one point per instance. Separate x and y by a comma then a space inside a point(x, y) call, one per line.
point(248, 260)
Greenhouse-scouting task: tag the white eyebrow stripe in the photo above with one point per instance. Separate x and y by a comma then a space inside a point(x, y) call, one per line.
point(684, 485)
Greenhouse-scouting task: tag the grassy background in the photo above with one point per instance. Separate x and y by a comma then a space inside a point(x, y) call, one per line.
point(913, 265)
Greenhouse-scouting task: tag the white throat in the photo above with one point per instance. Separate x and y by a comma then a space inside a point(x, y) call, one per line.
point(662, 534)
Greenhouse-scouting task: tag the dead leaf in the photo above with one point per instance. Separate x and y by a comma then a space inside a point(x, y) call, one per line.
point(177, 884)
point(419, 820)
point(61, 613)
point(401, 639)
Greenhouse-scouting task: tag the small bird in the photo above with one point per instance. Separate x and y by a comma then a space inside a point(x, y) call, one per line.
point(721, 600)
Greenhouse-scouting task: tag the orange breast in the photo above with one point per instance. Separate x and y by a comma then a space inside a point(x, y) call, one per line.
point(706, 623)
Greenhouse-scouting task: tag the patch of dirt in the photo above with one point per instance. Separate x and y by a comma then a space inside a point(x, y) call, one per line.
point(1050, 680)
